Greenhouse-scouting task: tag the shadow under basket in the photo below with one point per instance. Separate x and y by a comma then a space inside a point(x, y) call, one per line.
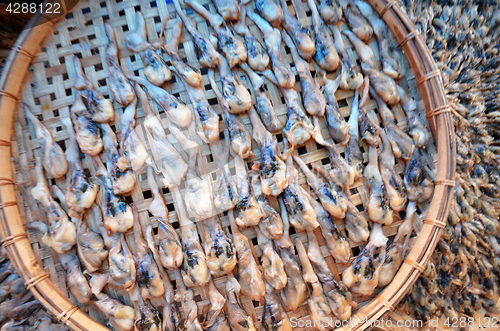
point(40, 72)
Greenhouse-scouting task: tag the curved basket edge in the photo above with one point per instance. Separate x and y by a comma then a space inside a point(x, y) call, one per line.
point(18, 247)
point(21, 252)
point(417, 53)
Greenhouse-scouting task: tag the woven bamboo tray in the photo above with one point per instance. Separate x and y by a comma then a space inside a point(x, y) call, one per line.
point(39, 71)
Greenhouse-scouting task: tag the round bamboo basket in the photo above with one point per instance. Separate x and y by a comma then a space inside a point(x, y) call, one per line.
point(36, 74)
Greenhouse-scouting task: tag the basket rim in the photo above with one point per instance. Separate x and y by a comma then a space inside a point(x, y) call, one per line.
point(427, 75)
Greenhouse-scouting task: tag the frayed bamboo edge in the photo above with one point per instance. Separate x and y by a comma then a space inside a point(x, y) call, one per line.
point(12, 231)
